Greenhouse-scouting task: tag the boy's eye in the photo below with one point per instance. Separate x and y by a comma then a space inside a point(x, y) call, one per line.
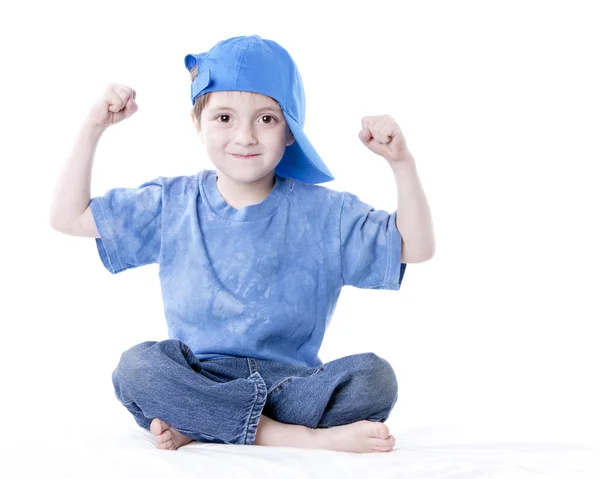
point(220, 118)
point(270, 119)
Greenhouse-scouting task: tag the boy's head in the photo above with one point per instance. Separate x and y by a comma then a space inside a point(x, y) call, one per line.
point(234, 124)
point(238, 88)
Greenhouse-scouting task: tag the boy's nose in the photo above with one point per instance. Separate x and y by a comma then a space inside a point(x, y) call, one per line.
point(245, 135)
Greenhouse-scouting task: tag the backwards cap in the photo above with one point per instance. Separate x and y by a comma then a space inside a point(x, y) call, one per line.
point(250, 63)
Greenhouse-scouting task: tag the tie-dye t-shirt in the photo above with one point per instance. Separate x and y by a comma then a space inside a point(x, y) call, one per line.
point(261, 281)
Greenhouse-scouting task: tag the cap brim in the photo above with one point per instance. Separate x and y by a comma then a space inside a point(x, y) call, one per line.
point(300, 160)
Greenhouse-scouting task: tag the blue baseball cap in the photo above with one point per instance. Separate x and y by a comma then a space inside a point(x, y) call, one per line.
point(250, 63)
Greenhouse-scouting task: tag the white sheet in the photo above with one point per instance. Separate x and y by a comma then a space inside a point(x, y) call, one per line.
point(117, 448)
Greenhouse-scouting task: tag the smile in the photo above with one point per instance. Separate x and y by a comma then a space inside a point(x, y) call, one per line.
point(245, 157)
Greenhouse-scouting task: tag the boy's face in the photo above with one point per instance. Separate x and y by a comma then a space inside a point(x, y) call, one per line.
point(243, 123)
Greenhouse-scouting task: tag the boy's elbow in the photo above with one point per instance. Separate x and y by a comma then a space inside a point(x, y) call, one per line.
point(430, 254)
point(59, 224)
point(54, 223)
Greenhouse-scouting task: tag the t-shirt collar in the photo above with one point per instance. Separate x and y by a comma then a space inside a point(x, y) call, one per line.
point(208, 183)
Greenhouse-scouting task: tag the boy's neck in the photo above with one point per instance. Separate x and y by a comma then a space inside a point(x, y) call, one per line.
point(238, 194)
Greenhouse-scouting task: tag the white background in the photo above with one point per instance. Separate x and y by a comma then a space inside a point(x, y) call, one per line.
point(499, 102)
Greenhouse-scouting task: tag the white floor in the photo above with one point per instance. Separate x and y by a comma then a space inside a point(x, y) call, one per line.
point(116, 447)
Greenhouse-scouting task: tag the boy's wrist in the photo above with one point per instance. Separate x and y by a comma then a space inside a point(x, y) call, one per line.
point(406, 163)
point(91, 126)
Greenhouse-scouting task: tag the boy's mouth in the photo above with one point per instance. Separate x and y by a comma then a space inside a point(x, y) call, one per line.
point(244, 156)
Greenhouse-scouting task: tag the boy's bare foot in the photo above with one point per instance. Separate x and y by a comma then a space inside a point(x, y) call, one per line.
point(167, 437)
point(361, 436)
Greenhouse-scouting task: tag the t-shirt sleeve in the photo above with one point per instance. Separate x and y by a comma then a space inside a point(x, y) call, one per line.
point(370, 246)
point(129, 223)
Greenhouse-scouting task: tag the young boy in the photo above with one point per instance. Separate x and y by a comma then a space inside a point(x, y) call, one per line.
point(252, 260)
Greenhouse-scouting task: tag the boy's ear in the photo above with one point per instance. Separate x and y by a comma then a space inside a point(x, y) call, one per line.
point(290, 139)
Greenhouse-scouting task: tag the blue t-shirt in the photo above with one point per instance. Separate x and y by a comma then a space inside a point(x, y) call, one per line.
point(259, 282)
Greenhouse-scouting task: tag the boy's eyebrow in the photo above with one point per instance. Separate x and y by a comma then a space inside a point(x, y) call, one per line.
point(223, 107)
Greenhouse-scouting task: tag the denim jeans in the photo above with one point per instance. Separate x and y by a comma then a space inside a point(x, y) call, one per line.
point(221, 400)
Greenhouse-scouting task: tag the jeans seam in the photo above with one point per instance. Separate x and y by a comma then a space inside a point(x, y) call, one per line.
point(281, 383)
point(291, 377)
point(252, 366)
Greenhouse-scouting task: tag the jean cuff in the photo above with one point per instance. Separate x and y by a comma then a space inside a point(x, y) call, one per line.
point(257, 407)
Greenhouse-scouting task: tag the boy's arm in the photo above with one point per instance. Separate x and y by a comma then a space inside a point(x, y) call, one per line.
point(70, 213)
point(382, 135)
point(413, 218)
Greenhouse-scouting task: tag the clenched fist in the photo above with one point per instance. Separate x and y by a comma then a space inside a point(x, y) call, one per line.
point(116, 104)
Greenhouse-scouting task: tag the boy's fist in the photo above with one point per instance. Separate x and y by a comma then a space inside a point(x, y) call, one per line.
point(382, 135)
point(114, 105)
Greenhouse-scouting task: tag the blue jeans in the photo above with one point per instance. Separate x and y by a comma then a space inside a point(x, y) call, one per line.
point(221, 400)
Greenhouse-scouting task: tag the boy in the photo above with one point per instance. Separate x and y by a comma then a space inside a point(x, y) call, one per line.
point(252, 260)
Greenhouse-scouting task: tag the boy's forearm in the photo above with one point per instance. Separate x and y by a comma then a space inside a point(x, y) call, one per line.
point(414, 216)
point(73, 185)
